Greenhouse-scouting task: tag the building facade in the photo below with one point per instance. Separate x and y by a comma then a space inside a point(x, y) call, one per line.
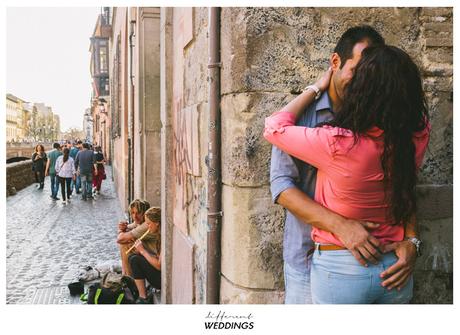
point(46, 124)
point(13, 105)
point(134, 103)
point(160, 102)
point(88, 126)
point(99, 65)
point(28, 121)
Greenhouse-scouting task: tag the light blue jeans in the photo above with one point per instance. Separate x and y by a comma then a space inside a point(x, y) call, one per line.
point(87, 184)
point(338, 278)
point(54, 185)
point(297, 285)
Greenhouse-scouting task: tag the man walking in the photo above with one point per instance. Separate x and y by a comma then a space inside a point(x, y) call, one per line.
point(84, 164)
point(73, 153)
point(50, 170)
point(293, 187)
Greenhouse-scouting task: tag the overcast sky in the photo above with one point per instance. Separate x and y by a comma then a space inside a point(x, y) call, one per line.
point(48, 58)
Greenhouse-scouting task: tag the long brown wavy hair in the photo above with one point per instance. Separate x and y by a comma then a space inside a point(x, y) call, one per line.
point(386, 91)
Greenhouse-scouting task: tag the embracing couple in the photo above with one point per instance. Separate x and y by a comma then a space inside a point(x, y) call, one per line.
point(344, 162)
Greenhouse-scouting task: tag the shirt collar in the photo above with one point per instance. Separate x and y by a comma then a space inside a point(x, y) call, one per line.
point(324, 102)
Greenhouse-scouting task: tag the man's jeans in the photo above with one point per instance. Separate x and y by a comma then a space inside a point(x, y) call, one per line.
point(76, 184)
point(87, 187)
point(297, 285)
point(338, 278)
point(54, 181)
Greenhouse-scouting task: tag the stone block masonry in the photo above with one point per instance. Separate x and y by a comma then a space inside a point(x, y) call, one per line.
point(268, 56)
point(18, 176)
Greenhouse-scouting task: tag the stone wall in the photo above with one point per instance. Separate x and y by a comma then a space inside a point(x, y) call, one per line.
point(18, 176)
point(270, 54)
point(189, 125)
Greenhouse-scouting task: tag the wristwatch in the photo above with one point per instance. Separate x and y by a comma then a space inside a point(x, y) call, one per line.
point(418, 244)
point(314, 88)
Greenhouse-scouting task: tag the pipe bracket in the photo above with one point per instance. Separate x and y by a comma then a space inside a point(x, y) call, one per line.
point(221, 214)
point(212, 65)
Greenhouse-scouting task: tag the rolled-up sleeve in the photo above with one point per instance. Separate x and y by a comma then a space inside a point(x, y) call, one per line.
point(312, 145)
point(283, 173)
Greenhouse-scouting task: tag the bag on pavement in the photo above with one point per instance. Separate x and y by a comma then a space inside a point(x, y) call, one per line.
point(114, 288)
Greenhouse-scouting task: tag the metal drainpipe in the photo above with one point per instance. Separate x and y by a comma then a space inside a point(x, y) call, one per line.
point(214, 163)
point(131, 123)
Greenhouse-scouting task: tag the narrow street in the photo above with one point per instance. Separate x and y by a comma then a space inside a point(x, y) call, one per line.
point(47, 241)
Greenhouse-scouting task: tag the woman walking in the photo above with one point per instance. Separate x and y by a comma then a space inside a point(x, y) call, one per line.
point(65, 170)
point(39, 159)
point(367, 159)
point(99, 172)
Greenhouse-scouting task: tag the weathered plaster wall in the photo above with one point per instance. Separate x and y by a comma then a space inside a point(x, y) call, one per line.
point(120, 142)
point(147, 125)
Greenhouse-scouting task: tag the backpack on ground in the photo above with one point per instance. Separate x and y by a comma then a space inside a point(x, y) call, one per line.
point(114, 288)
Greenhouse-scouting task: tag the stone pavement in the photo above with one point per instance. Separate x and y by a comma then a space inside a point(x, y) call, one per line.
point(46, 241)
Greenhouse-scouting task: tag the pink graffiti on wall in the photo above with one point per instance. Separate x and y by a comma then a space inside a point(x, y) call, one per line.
point(181, 156)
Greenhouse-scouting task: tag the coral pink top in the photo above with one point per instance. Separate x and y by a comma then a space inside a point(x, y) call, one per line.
point(350, 178)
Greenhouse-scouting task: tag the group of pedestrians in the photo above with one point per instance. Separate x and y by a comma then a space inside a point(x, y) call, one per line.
point(75, 167)
point(79, 168)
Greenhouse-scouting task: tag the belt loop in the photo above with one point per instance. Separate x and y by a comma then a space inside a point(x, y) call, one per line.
point(317, 248)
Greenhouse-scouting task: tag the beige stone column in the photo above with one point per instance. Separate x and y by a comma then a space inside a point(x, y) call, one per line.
point(147, 125)
point(167, 179)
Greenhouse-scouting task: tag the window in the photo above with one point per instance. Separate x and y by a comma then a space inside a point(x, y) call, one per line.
point(103, 54)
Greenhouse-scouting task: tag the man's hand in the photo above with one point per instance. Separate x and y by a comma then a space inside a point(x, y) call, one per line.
point(352, 233)
point(122, 226)
point(397, 275)
point(357, 239)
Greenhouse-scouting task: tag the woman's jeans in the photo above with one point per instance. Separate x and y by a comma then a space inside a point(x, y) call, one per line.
point(338, 278)
point(65, 182)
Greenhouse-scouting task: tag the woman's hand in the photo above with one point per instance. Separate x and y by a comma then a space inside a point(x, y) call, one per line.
point(139, 247)
point(323, 82)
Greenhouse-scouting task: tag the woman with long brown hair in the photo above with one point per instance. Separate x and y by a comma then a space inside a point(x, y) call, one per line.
point(39, 159)
point(65, 170)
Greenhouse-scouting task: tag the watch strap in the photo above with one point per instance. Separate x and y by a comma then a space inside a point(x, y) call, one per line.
point(315, 89)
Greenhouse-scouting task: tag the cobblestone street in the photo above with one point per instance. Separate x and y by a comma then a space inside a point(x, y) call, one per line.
point(47, 241)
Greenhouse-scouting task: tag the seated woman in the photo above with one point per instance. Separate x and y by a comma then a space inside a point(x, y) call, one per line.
point(128, 233)
point(367, 160)
point(146, 263)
